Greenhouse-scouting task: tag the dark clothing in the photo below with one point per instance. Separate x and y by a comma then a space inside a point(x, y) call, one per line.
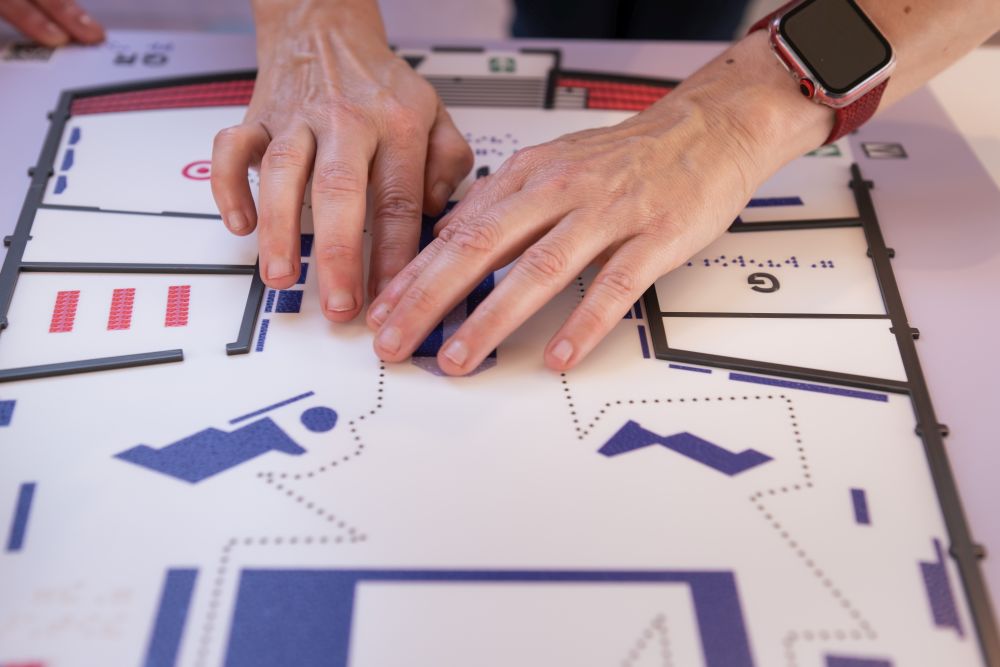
point(629, 19)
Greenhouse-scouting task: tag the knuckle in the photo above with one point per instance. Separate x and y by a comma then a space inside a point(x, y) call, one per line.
point(480, 235)
point(418, 298)
point(619, 284)
point(396, 203)
point(283, 154)
point(544, 262)
point(227, 137)
point(337, 177)
point(338, 251)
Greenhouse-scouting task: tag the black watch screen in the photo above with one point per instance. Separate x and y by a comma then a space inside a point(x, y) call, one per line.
point(836, 41)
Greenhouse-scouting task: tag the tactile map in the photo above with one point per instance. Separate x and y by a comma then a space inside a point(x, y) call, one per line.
point(203, 471)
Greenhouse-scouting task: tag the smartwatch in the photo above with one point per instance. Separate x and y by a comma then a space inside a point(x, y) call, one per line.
point(836, 54)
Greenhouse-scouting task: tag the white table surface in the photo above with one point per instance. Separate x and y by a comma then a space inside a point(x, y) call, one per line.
point(948, 263)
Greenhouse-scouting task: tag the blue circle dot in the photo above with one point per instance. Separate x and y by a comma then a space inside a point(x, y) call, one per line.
point(319, 420)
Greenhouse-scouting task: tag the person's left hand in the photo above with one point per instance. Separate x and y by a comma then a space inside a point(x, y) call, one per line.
point(640, 198)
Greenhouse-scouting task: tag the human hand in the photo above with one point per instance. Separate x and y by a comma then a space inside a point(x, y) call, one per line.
point(640, 198)
point(333, 102)
point(52, 22)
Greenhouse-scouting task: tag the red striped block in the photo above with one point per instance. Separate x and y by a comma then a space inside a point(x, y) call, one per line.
point(178, 300)
point(120, 316)
point(64, 312)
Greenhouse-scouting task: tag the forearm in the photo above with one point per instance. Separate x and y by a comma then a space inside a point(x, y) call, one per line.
point(293, 26)
point(748, 100)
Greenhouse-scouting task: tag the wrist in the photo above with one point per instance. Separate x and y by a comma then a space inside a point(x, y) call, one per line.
point(751, 100)
point(282, 22)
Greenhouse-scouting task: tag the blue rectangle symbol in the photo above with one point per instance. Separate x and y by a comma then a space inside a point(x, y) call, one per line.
point(168, 628)
point(22, 510)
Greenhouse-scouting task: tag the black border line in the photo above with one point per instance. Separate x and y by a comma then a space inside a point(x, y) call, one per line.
point(965, 551)
point(98, 209)
point(739, 226)
point(91, 365)
point(120, 267)
point(780, 316)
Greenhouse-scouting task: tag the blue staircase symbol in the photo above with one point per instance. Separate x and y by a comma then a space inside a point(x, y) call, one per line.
point(632, 436)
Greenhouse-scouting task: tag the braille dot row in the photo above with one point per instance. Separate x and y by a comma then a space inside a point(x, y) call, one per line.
point(311, 506)
point(657, 629)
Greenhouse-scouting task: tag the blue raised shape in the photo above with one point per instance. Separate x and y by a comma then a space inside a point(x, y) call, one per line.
point(171, 614)
point(319, 419)
point(61, 184)
point(74, 136)
point(939, 593)
point(303, 617)
point(693, 369)
point(306, 245)
point(67, 162)
point(289, 301)
point(642, 342)
point(262, 336)
point(860, 501)
point(632, 436)
point(211, 451)
point(808, 386)
point(22, 511)
point(269, 302)
point(7, 412)
point(303, 272)
point(273, 406)
point(851, 661)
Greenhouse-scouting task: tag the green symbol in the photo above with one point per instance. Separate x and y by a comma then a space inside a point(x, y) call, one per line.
point(505, 64)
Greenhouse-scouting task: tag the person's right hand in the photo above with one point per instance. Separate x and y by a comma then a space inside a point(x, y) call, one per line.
point(52, 22)
point(332, 101)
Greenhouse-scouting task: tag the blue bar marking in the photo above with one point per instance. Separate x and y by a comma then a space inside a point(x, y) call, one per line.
point(22, 510)
point(262, 336)
point(74, 136)
point(280, 404)
point(759, 202)
point(642, 341)
point(67, 162)
point(808, 386)
point(269, 303)
point(60, 185)
point(168, 628)
point(7, 412)
point(679, 367)
point(860, 501)
point(939, 593)
point(637, 308)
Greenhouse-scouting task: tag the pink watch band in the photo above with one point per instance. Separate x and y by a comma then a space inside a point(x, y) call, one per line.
point(846, 119)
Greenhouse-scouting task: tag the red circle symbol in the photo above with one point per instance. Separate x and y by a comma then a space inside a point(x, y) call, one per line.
point(200, 170)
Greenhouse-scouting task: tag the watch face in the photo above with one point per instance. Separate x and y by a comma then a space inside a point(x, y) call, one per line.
point(836, 41)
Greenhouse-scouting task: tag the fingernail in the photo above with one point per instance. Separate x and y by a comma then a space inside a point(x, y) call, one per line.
point(563, 351)
point(236, 221)
point(389, 339)
point(85, 19)
point(440, 192)
point(379, 313)
point(456, 352)
point(340, 301)
point(278, 268)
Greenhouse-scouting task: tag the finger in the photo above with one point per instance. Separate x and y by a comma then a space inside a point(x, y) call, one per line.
point(449, 159)
point(544, 270)
point(284, 171)
point(234, 151)
point(33, 22)
point(618, 285)
point(397, 201)
point(71, 18)
point(340, 181)
point(468, 252)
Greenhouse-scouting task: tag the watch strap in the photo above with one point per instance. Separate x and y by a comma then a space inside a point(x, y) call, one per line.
point(846, 119)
